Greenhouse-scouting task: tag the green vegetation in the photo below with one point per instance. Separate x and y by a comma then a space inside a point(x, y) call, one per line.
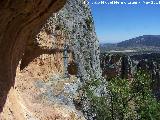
point(125, 99)
point(89, 23)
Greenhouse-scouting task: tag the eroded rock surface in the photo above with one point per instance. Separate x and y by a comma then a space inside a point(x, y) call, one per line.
point(116, 65)
point(20, 21)
point(41, 92)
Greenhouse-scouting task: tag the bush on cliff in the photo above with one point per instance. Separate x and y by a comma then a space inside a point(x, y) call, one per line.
point(125, 99)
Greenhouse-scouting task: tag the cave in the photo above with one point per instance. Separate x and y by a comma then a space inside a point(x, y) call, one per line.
point(20, 22)
point(72, 68)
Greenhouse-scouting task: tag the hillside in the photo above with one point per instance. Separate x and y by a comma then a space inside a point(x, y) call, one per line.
point(145, 40)
point(145, 43)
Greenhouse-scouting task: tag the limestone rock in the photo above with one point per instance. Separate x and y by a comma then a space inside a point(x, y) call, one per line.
point(41, 91)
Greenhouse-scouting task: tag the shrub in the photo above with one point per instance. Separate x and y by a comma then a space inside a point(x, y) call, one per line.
point(125, 99)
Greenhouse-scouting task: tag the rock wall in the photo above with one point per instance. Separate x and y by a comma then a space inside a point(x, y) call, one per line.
point(20, 21)
point(74, 26)
point(40, 82)
point(116, 65)
point(77, 20)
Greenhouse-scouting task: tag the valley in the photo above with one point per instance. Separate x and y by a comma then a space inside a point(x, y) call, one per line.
point(123, 60)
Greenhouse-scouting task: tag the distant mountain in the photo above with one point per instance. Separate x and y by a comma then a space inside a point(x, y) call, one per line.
point(107, 45)
point(145, 40)
point(138, 44)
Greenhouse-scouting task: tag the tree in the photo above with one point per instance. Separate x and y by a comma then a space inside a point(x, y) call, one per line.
point(125, 99)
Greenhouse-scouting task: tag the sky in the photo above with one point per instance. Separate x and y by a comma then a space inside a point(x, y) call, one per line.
point(115, 23)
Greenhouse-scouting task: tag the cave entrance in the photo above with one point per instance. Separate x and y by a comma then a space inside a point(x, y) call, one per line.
point(14, 33)
point(70, 68)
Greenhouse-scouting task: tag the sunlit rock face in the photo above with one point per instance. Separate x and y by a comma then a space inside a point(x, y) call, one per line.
point(79, 27)
point(41, 90)
point(73, 25)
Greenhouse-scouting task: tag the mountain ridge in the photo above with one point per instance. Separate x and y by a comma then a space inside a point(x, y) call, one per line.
point(140, 43)
point(145, 40)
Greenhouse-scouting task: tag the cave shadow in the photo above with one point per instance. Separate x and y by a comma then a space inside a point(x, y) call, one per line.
point(4, 90)
point(35, 51)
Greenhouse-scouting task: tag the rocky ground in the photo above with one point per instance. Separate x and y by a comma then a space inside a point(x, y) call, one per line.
point(45, 99)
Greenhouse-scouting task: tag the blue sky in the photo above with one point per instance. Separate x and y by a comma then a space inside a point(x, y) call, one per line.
point(116, 23)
